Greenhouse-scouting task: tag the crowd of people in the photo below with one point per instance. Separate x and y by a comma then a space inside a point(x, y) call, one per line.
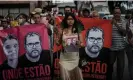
point(45, 17)
point(72, 27)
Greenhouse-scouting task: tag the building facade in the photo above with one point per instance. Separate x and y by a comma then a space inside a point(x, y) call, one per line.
point(14, 8)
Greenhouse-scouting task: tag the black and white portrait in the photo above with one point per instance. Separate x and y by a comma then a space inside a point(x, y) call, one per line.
point(11, 50)
point(34, 52)
point(94, 41)
point(33, 47)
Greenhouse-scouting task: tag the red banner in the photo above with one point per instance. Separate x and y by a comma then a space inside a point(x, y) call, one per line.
point(24, 53)
point(94, 57)
point(92, 68)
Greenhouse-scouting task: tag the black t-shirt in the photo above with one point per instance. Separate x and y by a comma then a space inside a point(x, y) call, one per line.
point(94, 68)
point(7, 72)
point(36, 70)
point(5, 66)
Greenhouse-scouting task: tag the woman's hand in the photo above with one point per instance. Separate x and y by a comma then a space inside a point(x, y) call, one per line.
point(79, 43)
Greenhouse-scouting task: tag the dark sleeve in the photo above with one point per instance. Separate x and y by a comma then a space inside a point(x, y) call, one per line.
point(49, 32)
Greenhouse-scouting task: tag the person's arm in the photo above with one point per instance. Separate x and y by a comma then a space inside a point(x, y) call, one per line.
point(122, 28)
point(80, 27)
point(129, 33)
point(92, 6)
point(81, 39)
point(58, 36)
point(80, 10)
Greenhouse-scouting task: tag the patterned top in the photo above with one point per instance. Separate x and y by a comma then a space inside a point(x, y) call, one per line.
point(118, 42)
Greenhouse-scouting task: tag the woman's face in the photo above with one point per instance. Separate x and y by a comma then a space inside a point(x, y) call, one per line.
point(21, 19)
point(70, 21)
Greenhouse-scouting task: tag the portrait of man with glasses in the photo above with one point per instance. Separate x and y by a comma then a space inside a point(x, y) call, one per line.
point(94, 53)
point(94, 41)
point(33, 47)
point(35, 54)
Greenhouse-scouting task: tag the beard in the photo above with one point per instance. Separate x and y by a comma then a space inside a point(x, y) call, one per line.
point(94, 49)
point(34, 53)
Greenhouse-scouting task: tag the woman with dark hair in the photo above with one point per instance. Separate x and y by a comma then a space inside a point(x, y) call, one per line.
point(70, 38)
point(23, 19)
point(77, 23)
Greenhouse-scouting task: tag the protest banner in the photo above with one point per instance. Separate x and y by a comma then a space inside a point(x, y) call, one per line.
point(94, 57)
point(94, 67)
point(24, 53)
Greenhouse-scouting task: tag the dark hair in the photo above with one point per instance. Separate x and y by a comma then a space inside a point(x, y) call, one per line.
point(30, 35)
point(60, 13)
point(68, 7)
point(65, 25)
point(116, 8)
point(94, 28)
point(24, 16)
point(9, 37)
point(86, 10)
